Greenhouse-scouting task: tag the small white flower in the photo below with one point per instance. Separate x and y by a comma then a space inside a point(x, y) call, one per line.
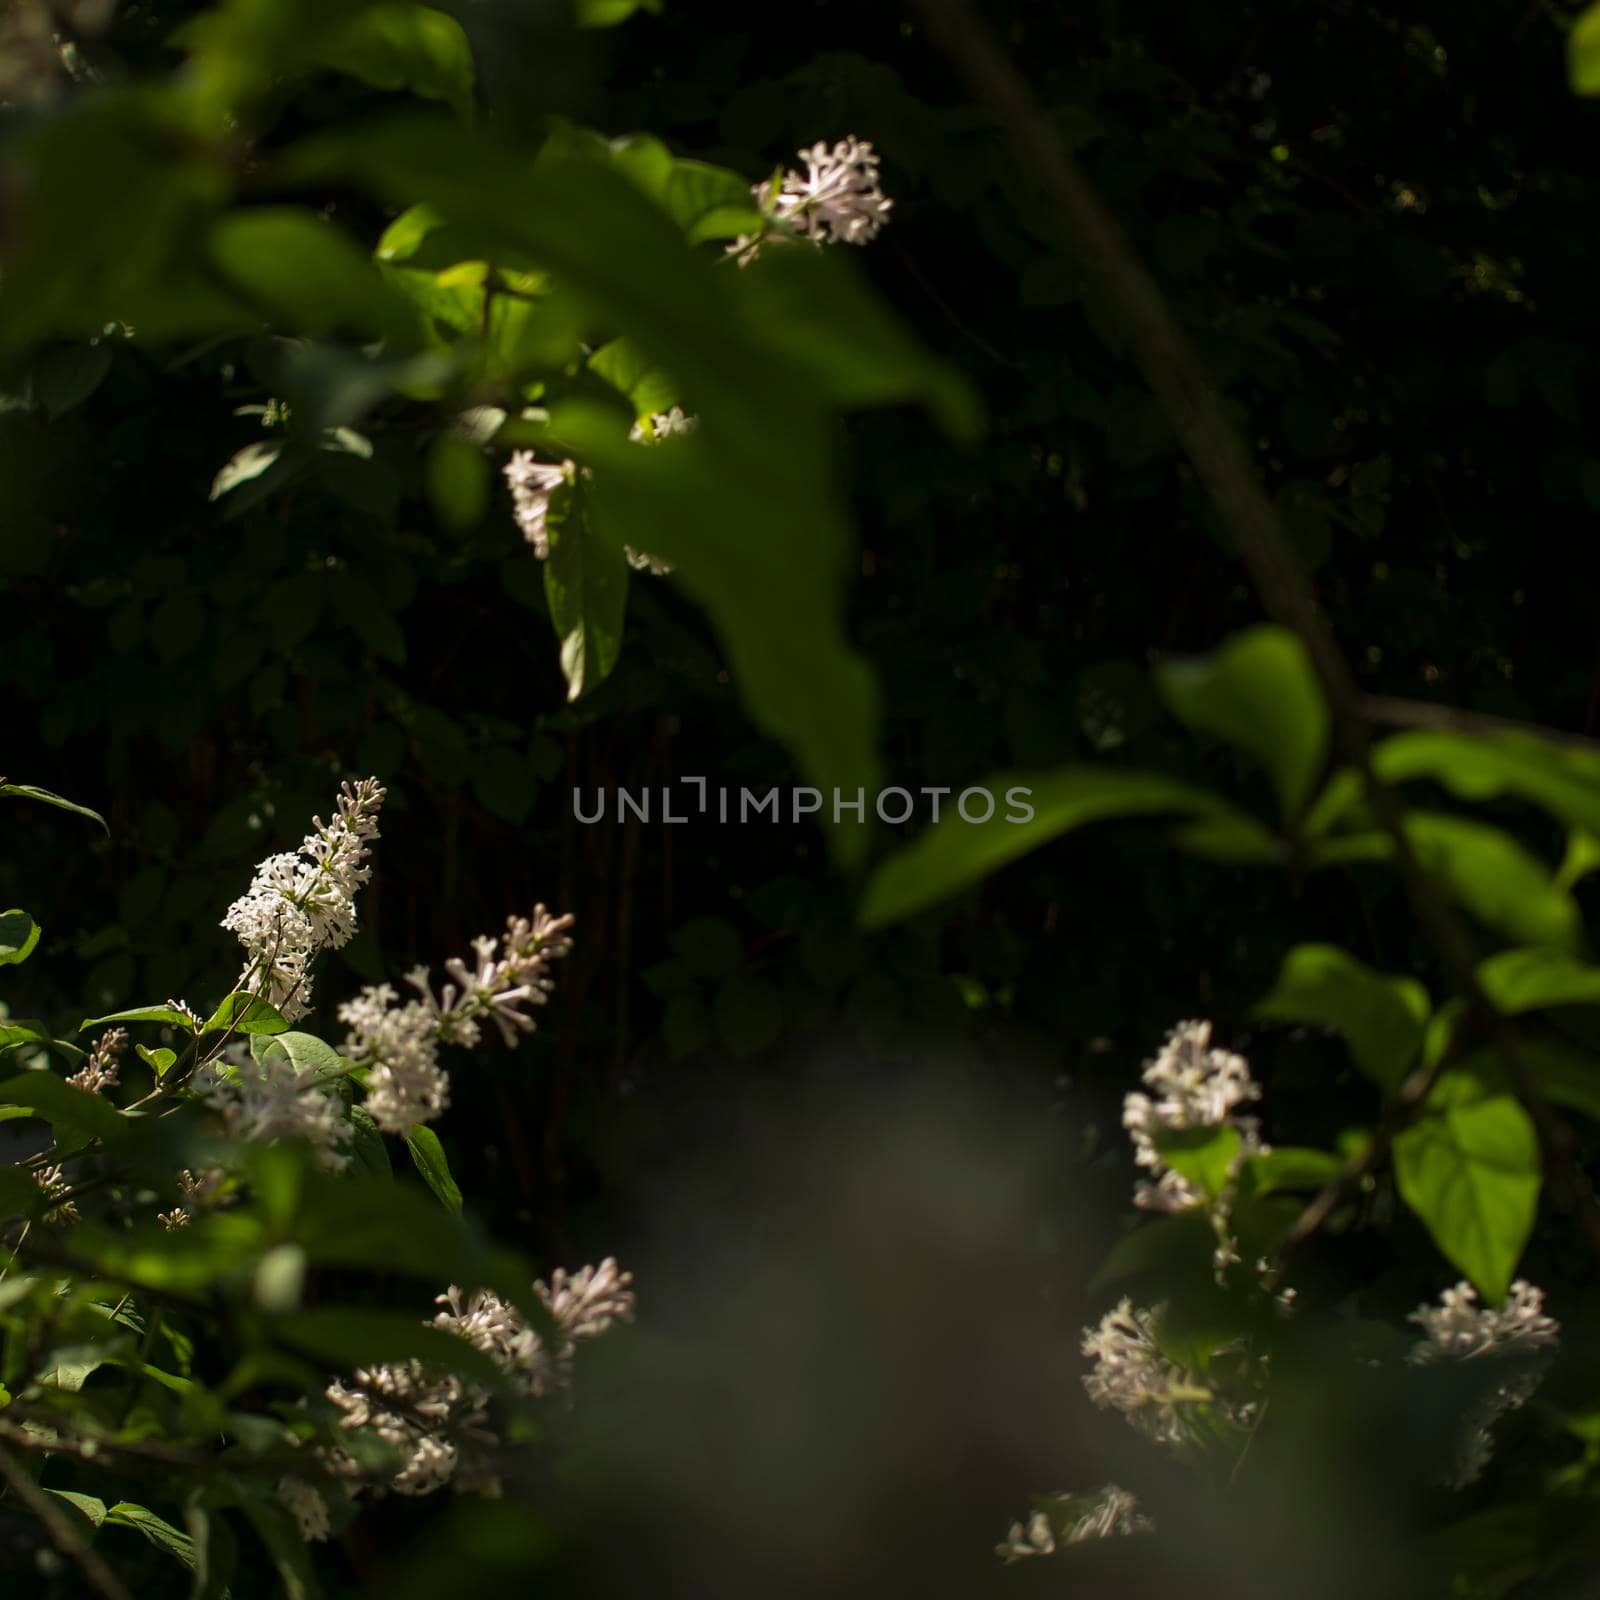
point(533, 484)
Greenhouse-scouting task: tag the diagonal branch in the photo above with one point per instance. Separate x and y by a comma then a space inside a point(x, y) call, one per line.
point(1198, 414)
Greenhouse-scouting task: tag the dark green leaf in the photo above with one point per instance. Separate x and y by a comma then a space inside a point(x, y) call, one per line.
point(66, 376)
point(350, 1336)
point(748, 1014)
point(156, 1529)
point(63, 1107)
point(27, 791)
point(405, 46)
point(586, 585)
point(309, 273)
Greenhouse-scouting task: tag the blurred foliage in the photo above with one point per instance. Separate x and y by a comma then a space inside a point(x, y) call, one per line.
point(267, 336)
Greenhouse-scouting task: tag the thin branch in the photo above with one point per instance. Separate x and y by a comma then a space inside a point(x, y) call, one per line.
point(1387, 711)
point(1196, 410)
point(64, 1533)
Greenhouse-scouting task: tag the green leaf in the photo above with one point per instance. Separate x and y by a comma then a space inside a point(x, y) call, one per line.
point(1469, 1168)
point(748, 1014)
point(158, 1061)
point(608, 13)
point(955, 854)
point(1498, 881)
point(27, 791)
point(1567, 1078)
point(22, 1030)
point(18, 1192)
point(216, 1551)
point(177, 1019)
point(244, 1013)
point(63, 1107)
point(1166, 1248)
point(1583, 52)
point(709, 947)
point(686, 1024)
point(308, 1053)
point(586, 585)
point(366, 1144)
point(628, 370)
point(405, 46)
point(1292, 1167)
point(458, 482)
point(309, 273)
point(1382, 1019)
point(1232, 837)
point(279, 1532)
point(19, 933)
point(1582, 858)
point(427, 1153)
point(1202, 1155)
point(86, 1504)
point(66, 376)
point(763, 546)
point(1258, 692)
point(1565, 781)
point(350, 1336)
point(156, 1529)
point(1529, 980)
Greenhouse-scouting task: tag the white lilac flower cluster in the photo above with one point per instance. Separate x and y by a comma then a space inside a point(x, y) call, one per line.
point(1194, 1087)
point(1512, 1339)
point(273, 1098)
point(836, 200)
point(302, 902)
point(1109, 1512)
point(99, 1072)
point(53, 1185)
point(1133, 1376)
point(397, 1043)
point(534, 484)
point(440, 1424)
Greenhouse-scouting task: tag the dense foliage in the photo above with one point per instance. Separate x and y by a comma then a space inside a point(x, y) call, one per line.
point(476, 405)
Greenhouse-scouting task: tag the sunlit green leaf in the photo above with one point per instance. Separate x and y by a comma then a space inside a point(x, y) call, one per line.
point(954, 854)
point(19, 933)
point(1381, 1018)
point(1258, 692)
point(1469, 1167)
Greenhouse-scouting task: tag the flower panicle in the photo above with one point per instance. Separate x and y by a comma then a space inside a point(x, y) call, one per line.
point(398, 1041)
point(301, 902)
